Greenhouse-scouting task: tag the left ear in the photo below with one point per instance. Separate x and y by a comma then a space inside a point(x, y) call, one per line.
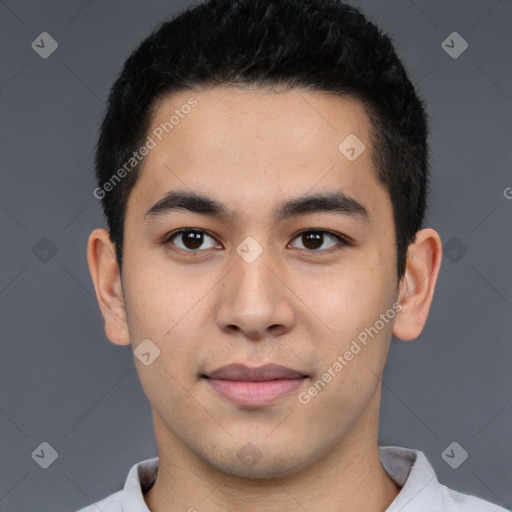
point(416, 287)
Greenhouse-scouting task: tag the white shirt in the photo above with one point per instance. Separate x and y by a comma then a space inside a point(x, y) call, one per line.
point(410, 469)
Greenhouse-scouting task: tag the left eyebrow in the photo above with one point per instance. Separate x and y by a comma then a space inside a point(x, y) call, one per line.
point(336, 201)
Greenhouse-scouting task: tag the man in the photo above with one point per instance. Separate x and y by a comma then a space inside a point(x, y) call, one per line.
point(263, 168)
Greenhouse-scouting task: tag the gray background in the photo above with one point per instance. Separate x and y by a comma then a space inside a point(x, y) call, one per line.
point(63, 382)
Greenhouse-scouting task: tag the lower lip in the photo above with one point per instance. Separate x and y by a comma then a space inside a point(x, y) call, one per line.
point(254, 394)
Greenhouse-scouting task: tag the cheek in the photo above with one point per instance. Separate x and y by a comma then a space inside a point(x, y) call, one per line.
point(354, 349)
point(349, 295)
point(168, 311)
point(349, 303)
point(162, 301)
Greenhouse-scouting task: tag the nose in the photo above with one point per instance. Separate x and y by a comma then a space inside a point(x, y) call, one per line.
point(255, 299)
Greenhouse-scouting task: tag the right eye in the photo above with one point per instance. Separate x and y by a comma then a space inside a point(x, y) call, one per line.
point(189, 240)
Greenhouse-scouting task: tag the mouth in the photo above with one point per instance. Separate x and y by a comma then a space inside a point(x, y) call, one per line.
point(254, 387)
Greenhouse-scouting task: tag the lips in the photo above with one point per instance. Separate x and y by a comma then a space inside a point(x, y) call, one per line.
point(262, 373)
point(254, 387)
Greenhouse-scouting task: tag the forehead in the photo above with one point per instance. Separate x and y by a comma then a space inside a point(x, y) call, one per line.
point(297, 120)
point(258, 145)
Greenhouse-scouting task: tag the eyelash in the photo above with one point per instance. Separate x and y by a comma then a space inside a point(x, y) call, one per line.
point(342, 241)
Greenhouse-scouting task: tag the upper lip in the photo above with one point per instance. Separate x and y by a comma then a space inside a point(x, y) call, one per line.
point(254, 374)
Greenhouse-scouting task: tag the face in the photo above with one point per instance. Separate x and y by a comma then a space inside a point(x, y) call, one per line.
point(257, 283)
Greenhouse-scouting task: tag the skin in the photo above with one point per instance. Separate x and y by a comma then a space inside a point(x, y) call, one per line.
point(251, 150)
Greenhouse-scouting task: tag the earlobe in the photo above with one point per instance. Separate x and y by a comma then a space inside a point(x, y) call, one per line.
point(107, 284)
point(417, 286)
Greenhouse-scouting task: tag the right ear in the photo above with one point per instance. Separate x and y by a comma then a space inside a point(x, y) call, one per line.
point(106, 278)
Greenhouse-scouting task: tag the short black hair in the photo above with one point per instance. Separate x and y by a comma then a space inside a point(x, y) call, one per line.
point(319, 45)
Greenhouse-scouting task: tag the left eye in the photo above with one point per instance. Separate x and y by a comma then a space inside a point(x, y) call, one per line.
point(314, 239)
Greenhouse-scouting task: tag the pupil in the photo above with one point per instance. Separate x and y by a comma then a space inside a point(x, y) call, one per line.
point(316, 239)
point(193, 239)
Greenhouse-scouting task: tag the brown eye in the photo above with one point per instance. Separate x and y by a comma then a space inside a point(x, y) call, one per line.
point(192, 240)
point(313, 240)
